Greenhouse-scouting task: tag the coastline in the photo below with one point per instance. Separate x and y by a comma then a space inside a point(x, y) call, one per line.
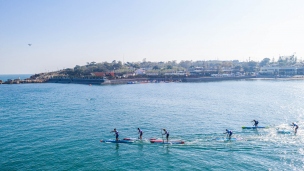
point(143, 80)
point(104, 81)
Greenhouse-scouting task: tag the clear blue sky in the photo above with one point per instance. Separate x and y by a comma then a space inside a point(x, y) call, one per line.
point(65, 33)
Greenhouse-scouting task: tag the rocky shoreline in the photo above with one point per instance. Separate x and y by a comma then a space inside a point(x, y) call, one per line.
point(104, 81)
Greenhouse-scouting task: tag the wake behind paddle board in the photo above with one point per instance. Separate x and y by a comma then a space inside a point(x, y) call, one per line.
point(136, 140)
point(253, 127)
point(226, 139)
point(283, 131)
point(160, 141)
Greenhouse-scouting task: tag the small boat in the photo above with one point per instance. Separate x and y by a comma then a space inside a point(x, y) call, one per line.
point(119, 141)
point(253, 127)
point(160, 141)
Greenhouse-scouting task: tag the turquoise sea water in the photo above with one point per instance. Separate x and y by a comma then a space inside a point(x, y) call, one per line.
point(59, 126)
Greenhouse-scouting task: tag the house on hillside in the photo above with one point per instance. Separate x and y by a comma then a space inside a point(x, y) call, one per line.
point(269, 70)
point(290, 70)
point(152, 73)
point(300, 71)
point(179, 73)
point(140, 72)
point(103, 74)
point(130, 74)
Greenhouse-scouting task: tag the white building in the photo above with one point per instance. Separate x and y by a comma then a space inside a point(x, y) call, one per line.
point(140, 72)
point(269, 70)
point(278, 70)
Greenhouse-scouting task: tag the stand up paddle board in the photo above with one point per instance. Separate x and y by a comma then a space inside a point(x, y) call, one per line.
point(253, 127)
point(136, 140)
point(114, 141)
point(160, 141)
point(131, 139)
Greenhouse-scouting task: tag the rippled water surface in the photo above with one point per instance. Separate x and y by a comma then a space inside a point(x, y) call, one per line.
point(59, 126)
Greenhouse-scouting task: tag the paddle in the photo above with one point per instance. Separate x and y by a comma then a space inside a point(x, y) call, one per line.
point(226, 135)
point(161, 132)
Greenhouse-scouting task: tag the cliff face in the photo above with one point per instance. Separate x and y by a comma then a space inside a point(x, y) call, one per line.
point(95, 81)
point(77, 80)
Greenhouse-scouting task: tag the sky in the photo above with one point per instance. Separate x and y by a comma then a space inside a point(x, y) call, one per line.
point(66, 33)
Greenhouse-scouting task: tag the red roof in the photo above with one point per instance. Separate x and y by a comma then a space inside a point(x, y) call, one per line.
point(102, 74)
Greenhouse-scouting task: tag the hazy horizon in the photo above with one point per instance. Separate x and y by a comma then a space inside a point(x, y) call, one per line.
point(63, 34)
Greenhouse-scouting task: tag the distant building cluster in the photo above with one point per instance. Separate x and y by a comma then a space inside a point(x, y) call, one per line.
point(285, 66)
point(281, 70)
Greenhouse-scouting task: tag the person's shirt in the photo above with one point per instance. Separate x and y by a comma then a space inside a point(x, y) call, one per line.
point(140, 131)
point(166, 132)
point(294, 124)
point(228, 131)
point(116, 132)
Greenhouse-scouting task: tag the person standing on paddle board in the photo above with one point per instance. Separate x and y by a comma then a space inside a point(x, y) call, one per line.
point(116, 133)
point(167, 134)
point(140, 133)
point(229, 133)
point(255, 123)
point(296, 127)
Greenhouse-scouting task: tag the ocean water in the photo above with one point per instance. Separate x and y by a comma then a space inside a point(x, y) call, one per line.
point(14, 76)
point(59, 126)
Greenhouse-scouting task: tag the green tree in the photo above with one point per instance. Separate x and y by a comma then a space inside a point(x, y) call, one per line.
point(185, 64)
point(155, 67)
point(265, 62)
point(169, 67)
point(136, 66)
point(252, 66)
point(118, 65)
point(238, 68)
